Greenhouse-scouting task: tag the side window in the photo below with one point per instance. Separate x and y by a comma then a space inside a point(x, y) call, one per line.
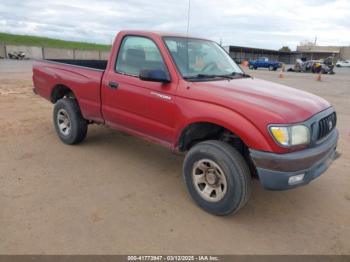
point(137, 53)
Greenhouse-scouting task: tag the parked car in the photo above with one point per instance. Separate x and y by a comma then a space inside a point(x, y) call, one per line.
point(313, 66)
point(17, 55)
point(188, 94)
point(263, 62)
point(343, 63)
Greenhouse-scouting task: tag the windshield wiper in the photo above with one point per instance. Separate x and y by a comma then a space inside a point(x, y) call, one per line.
point(208, 76)
point(239, 74)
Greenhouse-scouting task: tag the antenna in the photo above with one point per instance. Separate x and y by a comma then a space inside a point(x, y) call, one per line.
point(188, 27)
point(188, 16)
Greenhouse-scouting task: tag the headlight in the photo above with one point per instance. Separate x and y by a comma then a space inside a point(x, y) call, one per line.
point(291, 135)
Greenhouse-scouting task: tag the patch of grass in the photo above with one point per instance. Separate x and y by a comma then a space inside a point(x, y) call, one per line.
point(49, 42)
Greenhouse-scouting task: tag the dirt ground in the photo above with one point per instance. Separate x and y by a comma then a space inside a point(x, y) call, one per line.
point(116, 194)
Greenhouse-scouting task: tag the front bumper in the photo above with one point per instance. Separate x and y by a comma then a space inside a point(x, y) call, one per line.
point(274, 170)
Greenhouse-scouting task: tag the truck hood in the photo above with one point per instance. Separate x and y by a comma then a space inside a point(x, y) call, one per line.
point(251, 97)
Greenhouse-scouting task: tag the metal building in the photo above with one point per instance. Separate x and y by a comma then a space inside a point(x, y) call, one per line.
point(240, 53)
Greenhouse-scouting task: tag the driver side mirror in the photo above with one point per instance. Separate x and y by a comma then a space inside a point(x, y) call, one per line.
point(154, 75)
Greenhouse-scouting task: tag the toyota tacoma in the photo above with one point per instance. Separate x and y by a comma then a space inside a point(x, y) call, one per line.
point(187, 94)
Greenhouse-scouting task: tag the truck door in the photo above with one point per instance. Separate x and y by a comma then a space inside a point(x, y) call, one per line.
point(142, 107)
point(262, 62)
point(259, 62)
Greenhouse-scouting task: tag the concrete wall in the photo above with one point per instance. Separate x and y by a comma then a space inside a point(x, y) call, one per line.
point(58, 53)
point(104, 55)
point(37, 52)
point(345, 53)
point(31, 51)
point(2, 51)
point(86, 54)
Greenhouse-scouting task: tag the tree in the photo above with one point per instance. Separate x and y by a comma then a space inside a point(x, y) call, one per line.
point(285, 49)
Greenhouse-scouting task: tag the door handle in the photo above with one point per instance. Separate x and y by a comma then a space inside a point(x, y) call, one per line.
point(113, 85)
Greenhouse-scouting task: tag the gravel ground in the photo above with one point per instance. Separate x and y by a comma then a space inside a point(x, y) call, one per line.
point(117, 194)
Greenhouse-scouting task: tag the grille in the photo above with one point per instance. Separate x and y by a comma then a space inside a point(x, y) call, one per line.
point(326, 125)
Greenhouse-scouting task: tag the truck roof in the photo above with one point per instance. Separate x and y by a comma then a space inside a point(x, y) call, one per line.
point(158, 33)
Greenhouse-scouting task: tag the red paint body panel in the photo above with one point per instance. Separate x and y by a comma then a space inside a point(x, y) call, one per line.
point(160, 112)
point(84, 82)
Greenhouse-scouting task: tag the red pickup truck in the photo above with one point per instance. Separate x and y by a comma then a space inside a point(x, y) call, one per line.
point(189, 95)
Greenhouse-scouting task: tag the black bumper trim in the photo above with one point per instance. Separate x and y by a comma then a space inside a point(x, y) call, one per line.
point(274, 170)
point(291, 162)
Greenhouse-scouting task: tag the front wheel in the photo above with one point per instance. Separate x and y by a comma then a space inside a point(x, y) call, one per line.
point(70, 125)
point(217, 177)
point(271, 67)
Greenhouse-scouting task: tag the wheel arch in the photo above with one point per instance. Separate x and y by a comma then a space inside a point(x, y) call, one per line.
point(59, 91)
point(199, 131)
point(204, 129)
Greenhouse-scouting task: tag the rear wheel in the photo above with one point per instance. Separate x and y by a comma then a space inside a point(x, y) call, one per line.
point(217, 177)
point(271, 67)
point(69, 123)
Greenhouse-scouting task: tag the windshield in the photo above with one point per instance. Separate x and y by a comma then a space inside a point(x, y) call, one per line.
point(200, 58)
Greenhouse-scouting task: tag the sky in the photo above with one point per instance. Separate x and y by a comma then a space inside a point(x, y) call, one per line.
point(264, 24)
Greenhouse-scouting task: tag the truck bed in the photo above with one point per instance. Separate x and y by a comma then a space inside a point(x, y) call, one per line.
point(95, 64)
point(82, 76)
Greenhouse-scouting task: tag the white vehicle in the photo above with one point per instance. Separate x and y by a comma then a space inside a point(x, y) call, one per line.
point(345, 63)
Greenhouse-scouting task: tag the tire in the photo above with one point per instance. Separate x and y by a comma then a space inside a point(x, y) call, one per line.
point(67, 114)
point(231, 170)
point(271, 68)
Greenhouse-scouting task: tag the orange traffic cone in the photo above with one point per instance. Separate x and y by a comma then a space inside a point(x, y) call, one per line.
point(318, 78)
point(245, 63)
point(281, 74)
